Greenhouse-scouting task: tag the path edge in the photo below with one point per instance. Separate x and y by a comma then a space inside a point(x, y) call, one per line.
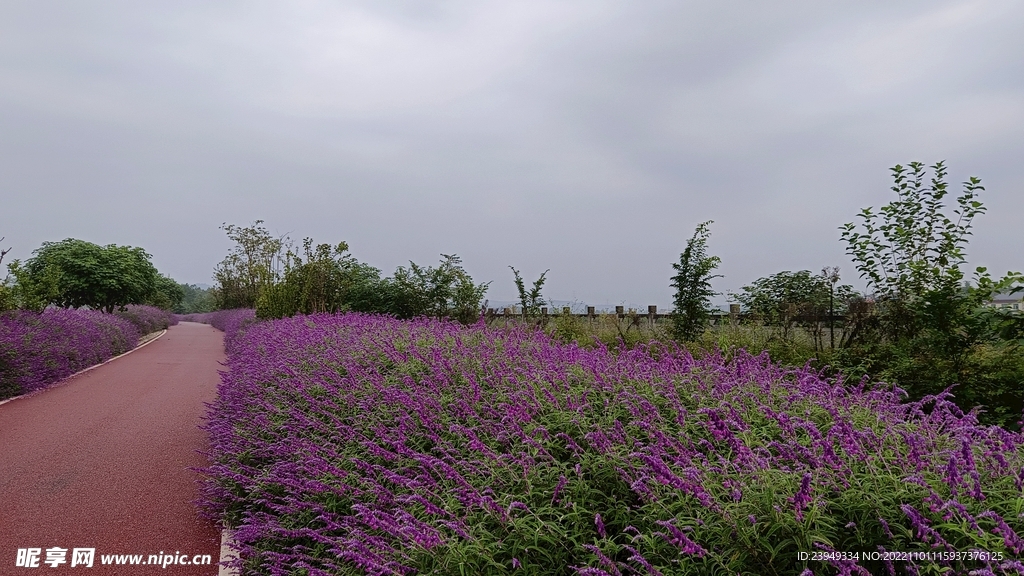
point(227, 553)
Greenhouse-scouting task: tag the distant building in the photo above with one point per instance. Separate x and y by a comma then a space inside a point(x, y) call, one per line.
point(1013, 302)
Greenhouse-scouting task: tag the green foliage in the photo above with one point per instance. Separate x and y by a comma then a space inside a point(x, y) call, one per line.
point(692, 283)
point(911, 254)
point(447, 291)
point(196, 300)
point(778, 299)
point(74, 273)
point(531, 301)
point(279, 300)
point(26, 291)
point(314, 282)
point(253, 264)
point(929, 324)
point(321, 279)
point(800, 348)
point(911, 248)
point(326, 279)
point(366, 291)
point(168, 294)
point(791, 300)
point(627, 332)
point(265, 273)
point(6, 295)
point(567, 327)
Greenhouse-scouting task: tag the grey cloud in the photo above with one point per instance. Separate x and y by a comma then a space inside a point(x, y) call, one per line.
point(585, 137)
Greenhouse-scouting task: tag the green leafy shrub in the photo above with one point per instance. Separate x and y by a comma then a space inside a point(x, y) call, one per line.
point(530, 300)
point(692, 284)
point(928, 332)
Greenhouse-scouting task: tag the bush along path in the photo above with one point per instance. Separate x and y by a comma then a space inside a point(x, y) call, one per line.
point(231, 322)
point(354, 444)
point(106, 462)
point(38, 349)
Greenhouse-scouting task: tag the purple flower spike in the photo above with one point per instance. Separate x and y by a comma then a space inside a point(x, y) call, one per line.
point(803, 496)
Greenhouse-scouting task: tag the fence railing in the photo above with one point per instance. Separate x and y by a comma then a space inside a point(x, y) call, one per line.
point(733, 316)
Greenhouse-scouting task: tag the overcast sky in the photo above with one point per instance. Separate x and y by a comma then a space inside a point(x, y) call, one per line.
point(589, 137)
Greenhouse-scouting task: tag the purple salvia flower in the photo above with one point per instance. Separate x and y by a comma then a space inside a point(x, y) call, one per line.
point(890, 569)
point(562, 480)
point(953, 476)
point(587, 571)
point(1010, 538)
point(803, 496)
point(38, 349)
point(1015, 565)
point(680, 539)
point(639, 559)
point(925, 532)
point(604, 560)
point(885, 527)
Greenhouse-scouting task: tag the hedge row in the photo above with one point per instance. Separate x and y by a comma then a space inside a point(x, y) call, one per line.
point(38, 349)
point(231, 322)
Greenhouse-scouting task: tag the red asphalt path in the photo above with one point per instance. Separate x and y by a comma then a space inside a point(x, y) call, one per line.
point(102, 461)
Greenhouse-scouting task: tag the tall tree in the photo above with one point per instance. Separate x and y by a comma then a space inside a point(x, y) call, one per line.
point(447, 291)
point(786, 299)
point(167, 293)
point(692, 283)
point(314, 282)
point(930, 328)
point(77, 273)
point(196, 299)
point(531, 300)
point(912, 253)
point(6, 294)
point(254, 263)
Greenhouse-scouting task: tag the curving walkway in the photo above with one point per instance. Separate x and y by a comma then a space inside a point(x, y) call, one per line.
point(103, 461)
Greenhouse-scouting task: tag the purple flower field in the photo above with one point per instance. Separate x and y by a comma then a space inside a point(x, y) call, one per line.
point(231, 322)
point(356, 444)
point(147, 318)
point(39, 349)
